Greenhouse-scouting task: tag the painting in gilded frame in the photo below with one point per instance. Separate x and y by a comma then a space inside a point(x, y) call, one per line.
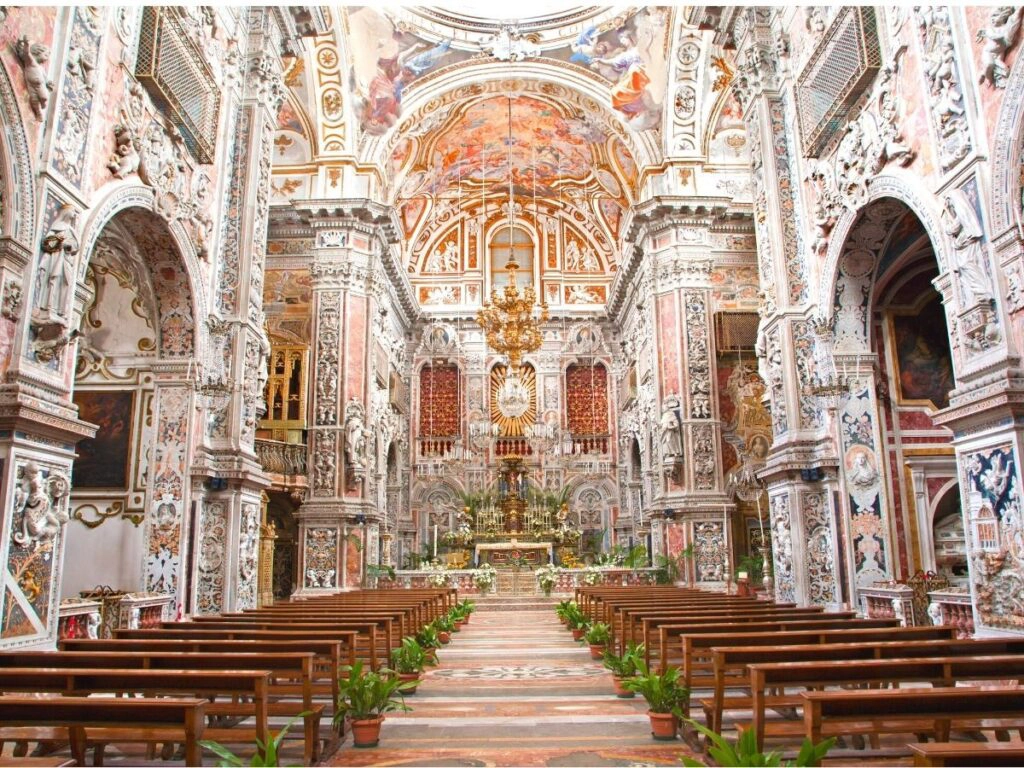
point(103, 460)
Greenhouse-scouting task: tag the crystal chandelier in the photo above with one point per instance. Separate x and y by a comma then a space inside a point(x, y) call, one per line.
point(511, 320)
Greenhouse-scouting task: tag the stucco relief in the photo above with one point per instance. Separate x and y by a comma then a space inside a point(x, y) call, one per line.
point(782, 548)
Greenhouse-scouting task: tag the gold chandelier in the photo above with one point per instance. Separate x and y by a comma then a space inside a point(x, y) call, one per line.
point(510, 320)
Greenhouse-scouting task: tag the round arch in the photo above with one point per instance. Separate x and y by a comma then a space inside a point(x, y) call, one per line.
point(138, 198)
point(17, 182)
point(898, 185)
point(1007, 156)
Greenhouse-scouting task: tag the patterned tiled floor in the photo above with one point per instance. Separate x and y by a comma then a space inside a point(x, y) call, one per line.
point(513, 688)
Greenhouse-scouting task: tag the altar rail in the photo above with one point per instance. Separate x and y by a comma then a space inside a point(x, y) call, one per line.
point(568, 579)
point(888, 602)
point(117, 610)
point(953, 606)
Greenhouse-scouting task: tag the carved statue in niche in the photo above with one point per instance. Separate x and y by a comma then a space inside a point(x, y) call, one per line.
point(57, 266)
point(961, 223)
point(41, 503)
point(357, 437)
point(998, 38)
point(671, 430)
point(33, 57)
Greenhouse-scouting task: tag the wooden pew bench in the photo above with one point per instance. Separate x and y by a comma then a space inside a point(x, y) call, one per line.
point(731, 664)
point(939, 671)
point(698, 661)
point(672, 631)
point(245, 691)
point(98, 721)
point(291, 676)
point(972, 753)
point(929, 711)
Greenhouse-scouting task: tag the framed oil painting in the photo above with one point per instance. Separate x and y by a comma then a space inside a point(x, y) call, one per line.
point(103, 460)
point(925, 372)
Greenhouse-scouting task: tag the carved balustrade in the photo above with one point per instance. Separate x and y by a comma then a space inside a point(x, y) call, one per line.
point(887, 600)
point(277, 458)
point(952, 606)
point(79, 618)
point(129, 610)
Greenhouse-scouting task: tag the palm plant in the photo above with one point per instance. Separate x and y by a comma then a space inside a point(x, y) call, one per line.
point(625, 665)
point(663, 692)
point(746, 753)
point(365, 695)
point(409, 658)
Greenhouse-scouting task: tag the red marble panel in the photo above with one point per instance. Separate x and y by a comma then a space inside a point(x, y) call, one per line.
point(668, 344)
point(355, 346)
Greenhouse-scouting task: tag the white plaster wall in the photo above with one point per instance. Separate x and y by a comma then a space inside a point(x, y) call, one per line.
point(110, 555)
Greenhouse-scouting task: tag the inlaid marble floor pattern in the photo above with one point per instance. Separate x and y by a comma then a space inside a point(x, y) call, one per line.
point(512, 688)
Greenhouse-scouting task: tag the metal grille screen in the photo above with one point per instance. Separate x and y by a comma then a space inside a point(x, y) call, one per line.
point(735, 330)
point(172, 69)
point(837, 74)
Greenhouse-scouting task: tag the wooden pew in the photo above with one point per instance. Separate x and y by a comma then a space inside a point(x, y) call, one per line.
point(781, 625)
point(291, 674)
point(329, 655)
point(939, 671)
point(972, 753)
point(909, 710)
point(104, 720)
point(366, 629)
point(731, 664)
point(264, 635)
point(247, 689)
point(697, 647)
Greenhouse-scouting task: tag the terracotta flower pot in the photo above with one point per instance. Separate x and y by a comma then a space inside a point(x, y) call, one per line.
point(366, 733)
point(577, 634)
point(432, 654)
point(620, 691)
point(409, 677)
point(457, 627)
point(663, 725)
point(444, 637)
point(596, 651)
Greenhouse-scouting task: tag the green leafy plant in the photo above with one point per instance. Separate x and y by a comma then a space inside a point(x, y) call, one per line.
point(380, 573)
point(563, 607)
point(663, 692)
point(668, 569)
point(576, 617)
point(598, 634)
point(427, 637)
point(410, 657)
point(444, 623)
point(746, 753)
point(753, 565)
point(364, 695)
point(635, 557)
point(266, 754)
point(463, 609)
point(625, 665)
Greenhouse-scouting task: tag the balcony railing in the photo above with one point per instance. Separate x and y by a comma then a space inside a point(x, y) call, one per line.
point(279, 458)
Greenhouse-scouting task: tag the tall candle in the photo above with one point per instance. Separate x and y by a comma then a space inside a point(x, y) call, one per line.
point(435, 539)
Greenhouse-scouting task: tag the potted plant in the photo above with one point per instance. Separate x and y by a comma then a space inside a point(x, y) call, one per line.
point(562, 610)
point(429, 641)
point(466, 608)
point(666, 698)
point(364, 697)
point(577, 621)
point(623, 667)
point(408, 661)
point(746, 752)
point(445, 625)
point(598, 636)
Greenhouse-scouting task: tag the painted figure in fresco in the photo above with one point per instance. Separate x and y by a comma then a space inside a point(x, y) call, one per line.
point(626, 67)
point(586, 47)
point(960, 222)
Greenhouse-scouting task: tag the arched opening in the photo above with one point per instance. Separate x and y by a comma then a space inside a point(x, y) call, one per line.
point(506, 243)
point(950, 543)
point(130, 482)
point(888, 310)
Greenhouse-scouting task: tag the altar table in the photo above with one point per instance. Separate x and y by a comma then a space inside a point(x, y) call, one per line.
point(497, 552)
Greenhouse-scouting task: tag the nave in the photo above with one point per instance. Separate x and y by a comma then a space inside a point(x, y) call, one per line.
point(512, 686)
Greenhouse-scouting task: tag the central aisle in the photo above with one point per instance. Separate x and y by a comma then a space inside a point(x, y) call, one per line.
point(512, 688)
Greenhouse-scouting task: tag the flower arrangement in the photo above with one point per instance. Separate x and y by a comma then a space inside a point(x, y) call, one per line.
point(484, 578)
point(437, 576)
point(591, 575)
point(547, 577)
point(460, 537)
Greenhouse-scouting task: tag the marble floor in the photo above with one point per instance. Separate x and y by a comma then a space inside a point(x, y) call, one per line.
point(513, 689)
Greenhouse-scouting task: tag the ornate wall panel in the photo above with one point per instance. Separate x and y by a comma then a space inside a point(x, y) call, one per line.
point(213, 540)
point(782, 548)
point(321, 558)
point(820, 549)
point(440, 409)
point(248, 555)
point(77, 92)
point(586, 399)
point(711, 551)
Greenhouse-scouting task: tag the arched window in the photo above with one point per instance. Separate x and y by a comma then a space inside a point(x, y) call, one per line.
point(506, 241)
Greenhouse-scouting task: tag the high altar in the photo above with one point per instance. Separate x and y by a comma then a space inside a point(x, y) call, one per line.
point(513, 529)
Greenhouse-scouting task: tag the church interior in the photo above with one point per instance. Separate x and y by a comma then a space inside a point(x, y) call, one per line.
point(322, 327)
